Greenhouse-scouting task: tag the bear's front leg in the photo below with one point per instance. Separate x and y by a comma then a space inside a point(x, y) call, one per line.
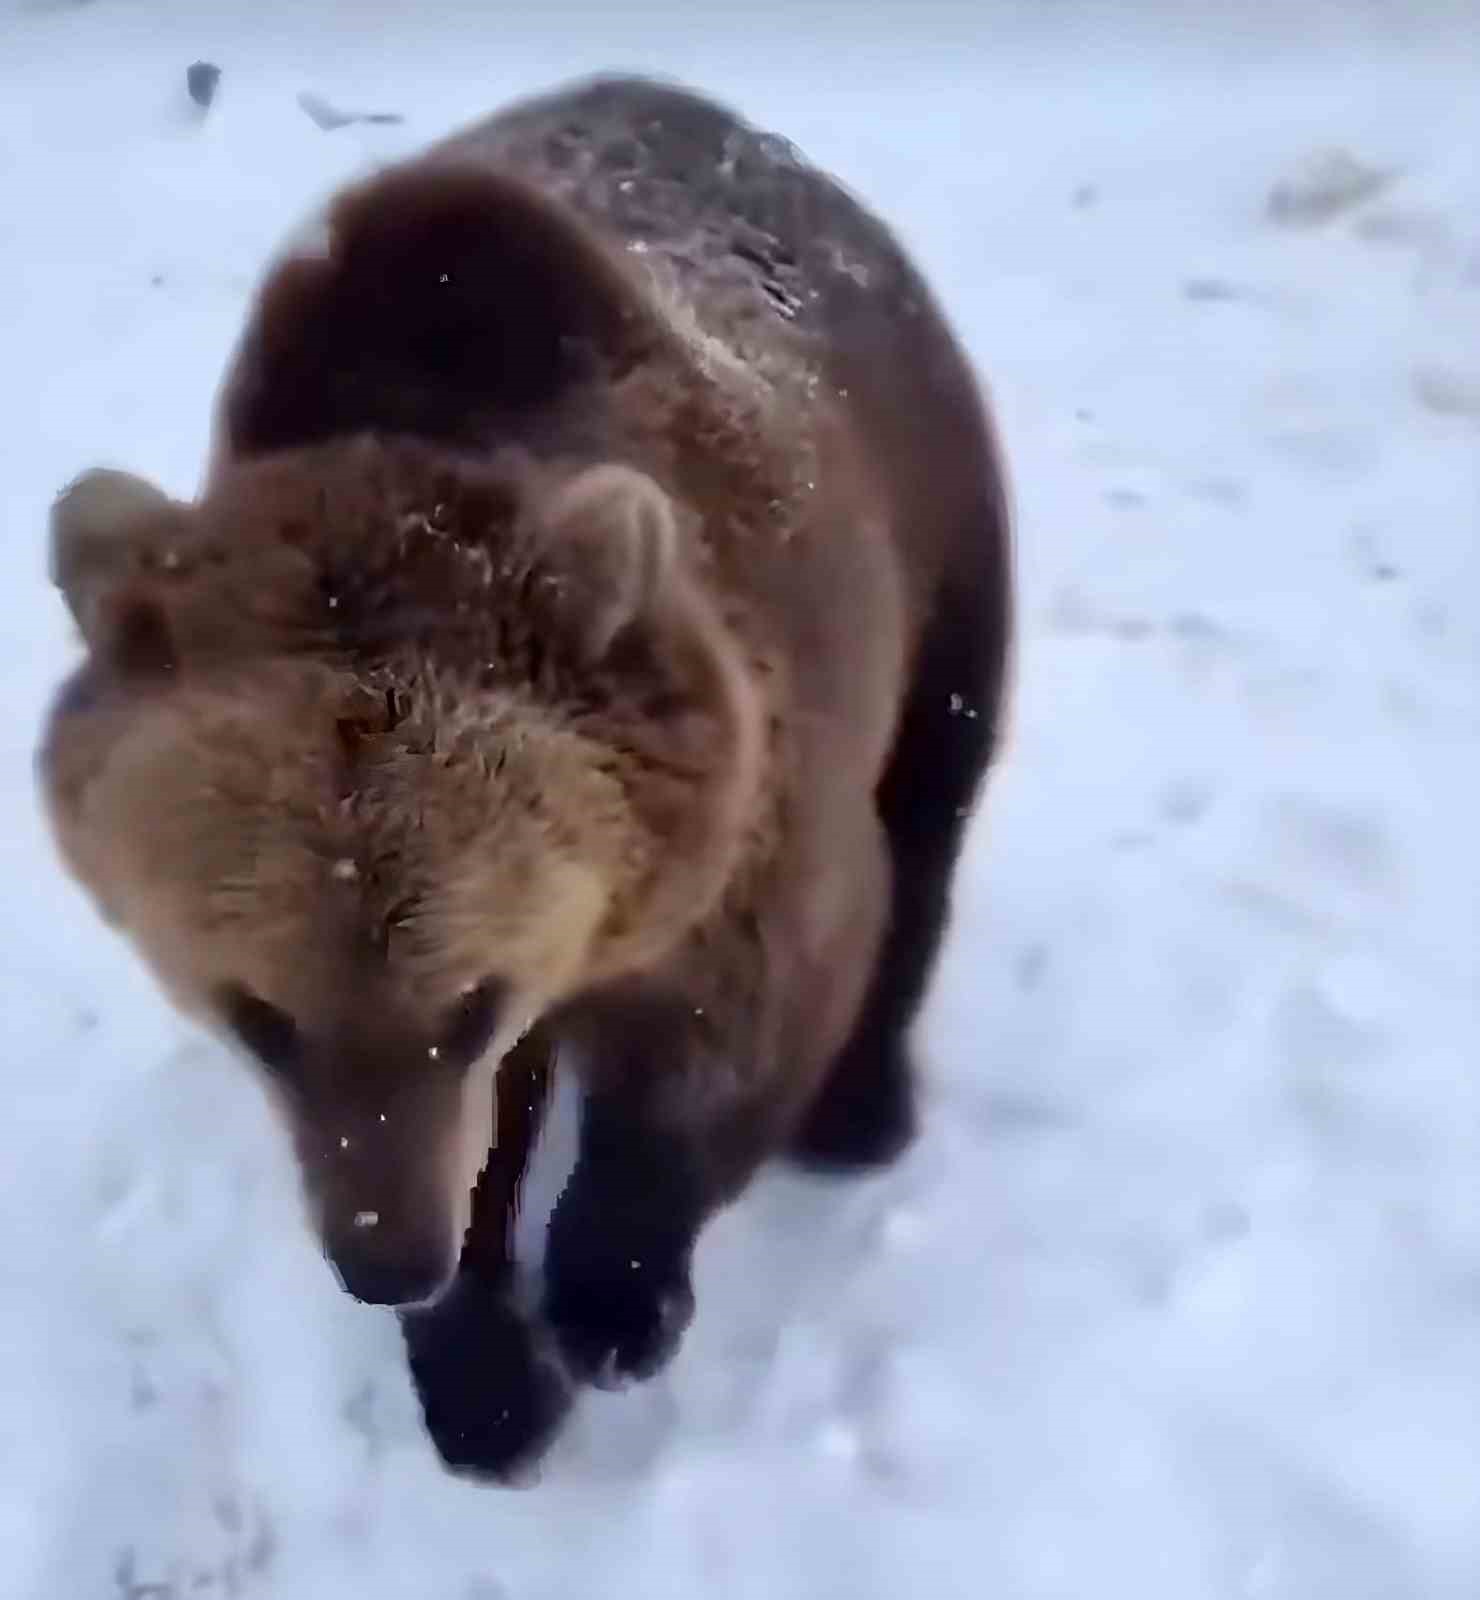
point(668, 1134)
point(617, 1290)
point(491, 1400)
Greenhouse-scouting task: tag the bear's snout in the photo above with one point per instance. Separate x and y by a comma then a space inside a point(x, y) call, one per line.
point(408, 1273)
point(384, 1222)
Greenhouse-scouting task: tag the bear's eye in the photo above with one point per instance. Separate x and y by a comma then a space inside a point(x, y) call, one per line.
point(268, 1033)
point(471, 1026)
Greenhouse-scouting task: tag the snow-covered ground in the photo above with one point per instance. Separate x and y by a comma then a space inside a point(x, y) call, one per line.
point(1179, 1296)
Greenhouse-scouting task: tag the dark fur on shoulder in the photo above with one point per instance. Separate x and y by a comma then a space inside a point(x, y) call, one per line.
point(590, 639)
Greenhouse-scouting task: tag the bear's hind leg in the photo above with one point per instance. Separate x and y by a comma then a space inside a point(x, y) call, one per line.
point(865, 1115)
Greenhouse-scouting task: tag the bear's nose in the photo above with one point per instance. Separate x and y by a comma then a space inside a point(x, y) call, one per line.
point(392, 1281)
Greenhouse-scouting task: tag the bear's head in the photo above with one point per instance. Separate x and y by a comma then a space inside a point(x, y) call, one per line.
point(378, 755)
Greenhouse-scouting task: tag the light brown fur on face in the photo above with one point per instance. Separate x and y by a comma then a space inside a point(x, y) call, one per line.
point(273, 785)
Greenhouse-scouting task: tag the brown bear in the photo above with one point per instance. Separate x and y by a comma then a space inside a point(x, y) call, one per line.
point(590, 637)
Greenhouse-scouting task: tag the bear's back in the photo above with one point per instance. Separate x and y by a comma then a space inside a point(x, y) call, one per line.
point(777, 265)
point(754, 239)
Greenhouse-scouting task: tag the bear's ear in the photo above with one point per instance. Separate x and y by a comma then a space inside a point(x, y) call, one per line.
point(113, 538)
point(610, 542)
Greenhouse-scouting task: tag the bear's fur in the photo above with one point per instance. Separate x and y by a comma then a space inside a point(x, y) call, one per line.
point(594, 621)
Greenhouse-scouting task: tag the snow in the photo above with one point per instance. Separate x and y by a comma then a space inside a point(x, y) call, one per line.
point(1179, 1295)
